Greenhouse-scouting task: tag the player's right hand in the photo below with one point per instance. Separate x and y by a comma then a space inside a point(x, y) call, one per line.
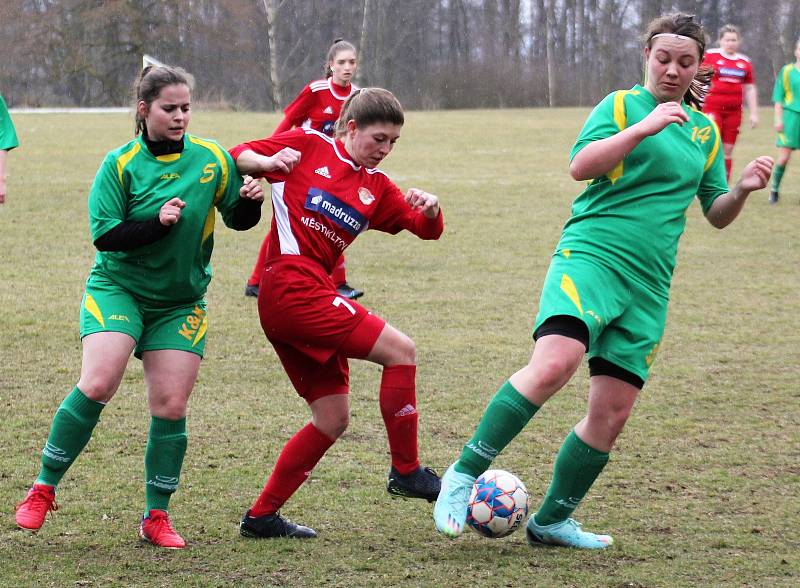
point(170, 212)
point(662, 116)
point(283, 161)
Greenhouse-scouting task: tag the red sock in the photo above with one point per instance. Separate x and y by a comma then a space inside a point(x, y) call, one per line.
point(398, 401)
point(728, 165)
point(338, 275)
point(258, 268)
point(298, 457)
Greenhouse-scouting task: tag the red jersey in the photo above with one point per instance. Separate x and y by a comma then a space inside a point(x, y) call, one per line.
point(316, 107)
point(730, 75)
point(327, 200)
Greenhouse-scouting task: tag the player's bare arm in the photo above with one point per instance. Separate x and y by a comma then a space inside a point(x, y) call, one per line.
point(250, 162)
point(727, 207)
point(778, 117)
point(600, 157)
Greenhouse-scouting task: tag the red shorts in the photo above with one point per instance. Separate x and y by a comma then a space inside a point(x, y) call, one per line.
point(728, 120)
point(311, 327)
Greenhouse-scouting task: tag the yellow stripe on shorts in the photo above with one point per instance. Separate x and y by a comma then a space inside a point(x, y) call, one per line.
point(568, 287)
point(91, 306)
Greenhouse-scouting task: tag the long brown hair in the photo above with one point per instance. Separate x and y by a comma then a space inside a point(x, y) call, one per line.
point(684, 25)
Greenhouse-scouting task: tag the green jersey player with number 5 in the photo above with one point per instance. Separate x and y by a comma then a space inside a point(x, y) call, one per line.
point(151, 215)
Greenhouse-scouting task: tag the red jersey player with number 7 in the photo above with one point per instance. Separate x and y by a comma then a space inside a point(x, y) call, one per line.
point(327, 193)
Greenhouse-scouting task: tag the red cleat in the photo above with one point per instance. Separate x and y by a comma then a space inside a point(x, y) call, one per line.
point(157, 529)
point(32, 511)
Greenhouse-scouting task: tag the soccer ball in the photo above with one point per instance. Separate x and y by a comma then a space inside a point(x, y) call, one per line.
point(498, 504)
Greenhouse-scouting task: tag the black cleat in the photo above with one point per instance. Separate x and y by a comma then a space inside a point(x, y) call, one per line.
point(251, 290)
point(423, 483)
point(273, 526)
point(345, 290)
point(774, 197)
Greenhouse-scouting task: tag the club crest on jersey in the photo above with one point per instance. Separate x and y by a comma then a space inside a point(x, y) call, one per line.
point(333, 209)
point(365, 196)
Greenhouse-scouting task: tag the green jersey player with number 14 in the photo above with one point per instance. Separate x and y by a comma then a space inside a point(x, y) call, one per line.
point(648, 152)
point(151, 214)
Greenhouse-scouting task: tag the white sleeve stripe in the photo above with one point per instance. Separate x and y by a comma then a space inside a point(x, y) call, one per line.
point(332, 142)
point(286, 238)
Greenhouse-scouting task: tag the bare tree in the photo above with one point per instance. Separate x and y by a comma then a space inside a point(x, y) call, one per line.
point(271, 8)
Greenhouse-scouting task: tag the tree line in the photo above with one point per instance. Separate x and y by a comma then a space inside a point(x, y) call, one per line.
point(257, 54)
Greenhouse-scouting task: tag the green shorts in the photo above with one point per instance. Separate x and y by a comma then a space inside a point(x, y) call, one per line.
point(625, 318)
point(790, 137)
point(108, 306)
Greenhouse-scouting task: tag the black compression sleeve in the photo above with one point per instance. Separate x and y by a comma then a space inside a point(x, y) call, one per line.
point(132, 234)
point(246, 214)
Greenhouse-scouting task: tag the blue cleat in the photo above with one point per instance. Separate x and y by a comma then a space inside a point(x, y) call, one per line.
point(566, 534)
point(450, 511)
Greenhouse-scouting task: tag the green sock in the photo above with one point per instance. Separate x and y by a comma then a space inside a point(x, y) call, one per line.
point(505, 416)
point(166, 446)
point(577, 467)
point(70, 431)
point(777, 176)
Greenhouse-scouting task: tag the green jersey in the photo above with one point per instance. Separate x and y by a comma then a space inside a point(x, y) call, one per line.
point(132, 184)
point(8, 136)
point(632, 218)
point(787, 88)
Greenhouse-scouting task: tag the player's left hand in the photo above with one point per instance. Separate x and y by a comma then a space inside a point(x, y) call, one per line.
point(755, 175)
point(753, 120)
point(427, 204)
point(251, 189)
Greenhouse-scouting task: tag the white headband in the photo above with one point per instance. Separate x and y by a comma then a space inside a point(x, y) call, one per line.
point(674, 36)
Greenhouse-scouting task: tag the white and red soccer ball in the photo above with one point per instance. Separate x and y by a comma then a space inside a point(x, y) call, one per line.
point(498, 504)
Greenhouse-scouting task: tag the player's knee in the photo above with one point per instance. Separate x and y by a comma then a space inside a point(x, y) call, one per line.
point(616, 420)
point(554, 371)
point(98, 387)
point(332, 425)
point(171, 411)
point(610, 422)
point(405, 351)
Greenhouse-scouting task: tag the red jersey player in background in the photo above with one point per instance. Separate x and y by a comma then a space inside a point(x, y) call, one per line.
point(317, 107)
point(734, 79)
point(327, 194)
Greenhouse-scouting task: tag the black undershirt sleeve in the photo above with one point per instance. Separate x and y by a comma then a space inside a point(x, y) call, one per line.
point(132, 234)
point(245, 215)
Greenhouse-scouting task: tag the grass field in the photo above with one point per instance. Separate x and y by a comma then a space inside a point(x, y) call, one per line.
point(702, 490)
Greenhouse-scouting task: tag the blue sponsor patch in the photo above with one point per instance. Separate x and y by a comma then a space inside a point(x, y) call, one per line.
point(329, 206)
point(732, 72)
point(327, 127)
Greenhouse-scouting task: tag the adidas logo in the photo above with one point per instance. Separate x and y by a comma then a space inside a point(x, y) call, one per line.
point(323, 171)
point(328, 110)
point(407, 410)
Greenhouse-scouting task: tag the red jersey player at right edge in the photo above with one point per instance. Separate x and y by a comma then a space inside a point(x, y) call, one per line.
point(733, 81)
point(327, 194)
